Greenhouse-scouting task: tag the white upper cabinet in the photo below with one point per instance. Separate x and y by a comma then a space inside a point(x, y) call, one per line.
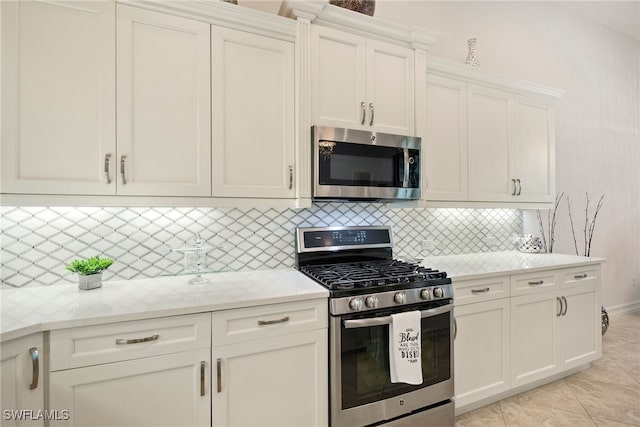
point(489, 139)
point(252, 115)
point(360, 83)
point(445, 140)
point(163, 111)
point(58, 97)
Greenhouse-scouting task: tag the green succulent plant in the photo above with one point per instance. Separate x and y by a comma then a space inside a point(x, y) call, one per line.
point(86, 267)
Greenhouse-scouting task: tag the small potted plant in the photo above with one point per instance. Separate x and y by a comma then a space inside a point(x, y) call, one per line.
point(89, 271)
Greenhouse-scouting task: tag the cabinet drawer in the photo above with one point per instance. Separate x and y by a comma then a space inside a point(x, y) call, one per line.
point(477, 290)
point(231, 326)
point(579, 276)
point(528, 283)
point(92, 345)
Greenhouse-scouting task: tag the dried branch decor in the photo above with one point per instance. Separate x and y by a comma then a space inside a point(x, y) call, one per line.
point(549, 239)
point(589, 224)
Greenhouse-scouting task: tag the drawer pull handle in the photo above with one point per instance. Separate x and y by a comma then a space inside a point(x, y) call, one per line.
point(538, 282)
point(202, 377)
point(566, 306)
point(273, 322)
point(580, 276)
point(35, 362)
point(219, 375)
point(559, 313)
point(480, 291)
point(137, 340)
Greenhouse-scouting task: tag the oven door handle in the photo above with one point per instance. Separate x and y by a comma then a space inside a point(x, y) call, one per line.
point(405, 178)
point(386, 320)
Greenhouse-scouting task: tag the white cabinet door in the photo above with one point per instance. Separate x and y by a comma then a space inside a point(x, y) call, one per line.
point(169, 390)
point(58, 97)
point(534, 151)
point(252, 115)
point(338, 78)
point(445, 141)
point(489, 137)
point(279, 381)
point(21, 375)
point(358, 83)
point(390, 93)
point(580, 328)
point(534, 338)
point(481, 350)
point(164, 132)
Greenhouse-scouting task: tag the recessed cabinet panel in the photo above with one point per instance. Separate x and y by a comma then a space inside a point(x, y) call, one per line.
point(445, 141)
point(534, 152)
point(580, 329)
point(163, 104)
point(58, 97)
point(338, 67)
point(489, 136)
point(390, 87)
point(253, 115)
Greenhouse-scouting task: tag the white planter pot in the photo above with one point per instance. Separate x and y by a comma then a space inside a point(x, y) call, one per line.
point(92, 281)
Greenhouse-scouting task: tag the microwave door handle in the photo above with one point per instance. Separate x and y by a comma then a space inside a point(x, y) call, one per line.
point(405, 178)
point(386, 320)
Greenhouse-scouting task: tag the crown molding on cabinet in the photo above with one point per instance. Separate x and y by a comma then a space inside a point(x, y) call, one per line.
point(321, 12)
point(224, 14)
point(474, 75)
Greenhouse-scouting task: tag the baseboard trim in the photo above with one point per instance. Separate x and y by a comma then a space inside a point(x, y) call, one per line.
point(619, 309)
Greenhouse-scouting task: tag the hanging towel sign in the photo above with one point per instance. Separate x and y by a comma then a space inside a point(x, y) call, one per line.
point(405, 348)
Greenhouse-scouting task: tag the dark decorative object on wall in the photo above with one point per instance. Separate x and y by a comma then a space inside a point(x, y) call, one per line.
point(367, 7)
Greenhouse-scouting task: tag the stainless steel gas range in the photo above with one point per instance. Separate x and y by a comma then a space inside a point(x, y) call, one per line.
point(366, 287)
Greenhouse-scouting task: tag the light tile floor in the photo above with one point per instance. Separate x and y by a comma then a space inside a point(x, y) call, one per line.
point(605, 395)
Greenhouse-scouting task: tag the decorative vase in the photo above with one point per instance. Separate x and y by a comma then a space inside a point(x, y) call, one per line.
point(367, 7)
point(92, 281)
point(471, 56)
point(605, 319)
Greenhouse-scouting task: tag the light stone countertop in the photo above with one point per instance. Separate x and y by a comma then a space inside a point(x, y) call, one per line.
point(44, 308)
point(487, 264)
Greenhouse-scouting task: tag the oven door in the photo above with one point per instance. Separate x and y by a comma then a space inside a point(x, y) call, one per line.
point(361, 389)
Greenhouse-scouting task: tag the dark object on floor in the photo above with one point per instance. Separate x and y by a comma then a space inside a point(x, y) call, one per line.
point(605, 320)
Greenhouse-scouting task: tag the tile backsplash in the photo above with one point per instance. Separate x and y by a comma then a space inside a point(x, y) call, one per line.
point(36, 242)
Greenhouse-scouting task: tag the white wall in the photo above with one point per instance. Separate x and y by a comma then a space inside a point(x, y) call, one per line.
point(597, 121)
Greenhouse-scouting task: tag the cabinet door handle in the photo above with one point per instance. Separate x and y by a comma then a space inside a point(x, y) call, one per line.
point(202, 377)
point(537, 282)
point(566, 306)
point(363, 107)
point(480, 291)
point(123, 160)
point(107, 162)
point(137, 340)
point(372, 113)
point(515, 187)
point(273, 322)
point(455, 327)
point(519, 187)
point(290, 177)
point(35, 363)
point(580, 276)
point(559, 313)
point(219, 375)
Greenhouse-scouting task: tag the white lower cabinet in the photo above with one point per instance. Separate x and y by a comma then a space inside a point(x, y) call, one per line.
point(21, 375)
point(169, 390)
point(271, 365)
point(519, 330)
point(481, 347)
point(154, 372)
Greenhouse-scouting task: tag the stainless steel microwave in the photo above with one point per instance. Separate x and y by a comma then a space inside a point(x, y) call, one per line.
point(359, 165)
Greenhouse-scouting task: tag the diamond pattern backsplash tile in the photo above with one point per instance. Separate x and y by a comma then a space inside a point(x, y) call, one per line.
point(36, 242)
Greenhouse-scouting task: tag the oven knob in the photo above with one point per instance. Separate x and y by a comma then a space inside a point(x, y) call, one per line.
point(400, 297)
point(425, 294)
point(371, 302)
point(355, 304)
point(438, 292)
